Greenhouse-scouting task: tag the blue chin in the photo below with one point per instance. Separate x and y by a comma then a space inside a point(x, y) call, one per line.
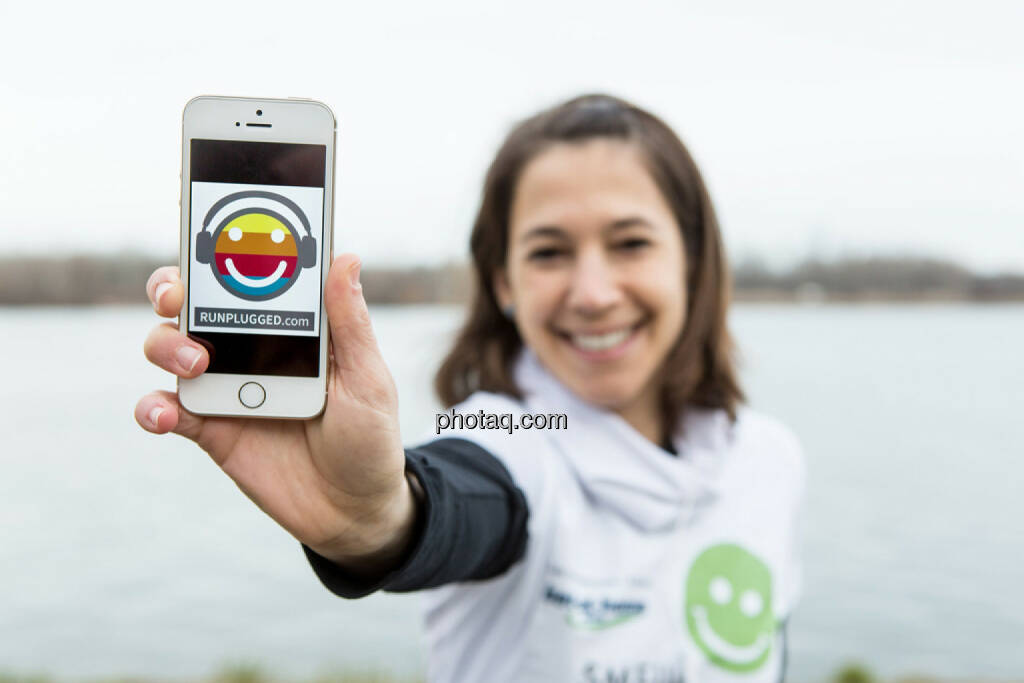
point(255, 291)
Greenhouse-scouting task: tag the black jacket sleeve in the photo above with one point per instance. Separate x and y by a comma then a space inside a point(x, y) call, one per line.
point(471, 523)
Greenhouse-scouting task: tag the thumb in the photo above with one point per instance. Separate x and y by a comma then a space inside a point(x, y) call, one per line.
point(355, 346)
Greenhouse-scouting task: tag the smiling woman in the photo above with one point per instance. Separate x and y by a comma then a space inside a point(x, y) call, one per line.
point(602, 292)
point(653, 538)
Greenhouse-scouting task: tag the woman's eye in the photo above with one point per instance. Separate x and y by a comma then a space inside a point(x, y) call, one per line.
point(633, 244)
point(544, 254)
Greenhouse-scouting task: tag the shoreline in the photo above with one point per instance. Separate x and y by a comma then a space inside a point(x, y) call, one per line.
point(115, 279)
point(742, 299)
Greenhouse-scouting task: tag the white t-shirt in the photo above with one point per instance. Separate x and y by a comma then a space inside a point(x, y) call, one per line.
point(641, 567)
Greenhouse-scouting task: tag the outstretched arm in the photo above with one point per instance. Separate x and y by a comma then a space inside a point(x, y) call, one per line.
point(471, 524)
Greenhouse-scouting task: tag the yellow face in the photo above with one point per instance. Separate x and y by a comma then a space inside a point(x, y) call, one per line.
point(595, 270)
point(255, 256)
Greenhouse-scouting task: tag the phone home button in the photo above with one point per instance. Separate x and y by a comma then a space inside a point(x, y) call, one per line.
point(252, 395)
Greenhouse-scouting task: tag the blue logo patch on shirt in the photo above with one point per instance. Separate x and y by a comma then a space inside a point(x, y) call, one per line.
point(593, 613)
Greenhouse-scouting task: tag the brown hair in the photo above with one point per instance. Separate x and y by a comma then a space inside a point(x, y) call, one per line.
point(699, 370)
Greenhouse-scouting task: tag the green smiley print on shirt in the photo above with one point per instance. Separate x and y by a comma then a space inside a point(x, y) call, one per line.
point(729, 607)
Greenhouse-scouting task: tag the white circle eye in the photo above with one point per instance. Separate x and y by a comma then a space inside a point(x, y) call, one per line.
point(721, 590)
point(277, 235)
point(235, 233)
point(751, 603)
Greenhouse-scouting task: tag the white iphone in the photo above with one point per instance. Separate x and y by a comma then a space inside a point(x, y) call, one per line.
point(257, 189)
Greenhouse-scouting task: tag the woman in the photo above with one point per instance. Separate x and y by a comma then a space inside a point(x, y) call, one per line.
point(651, 539)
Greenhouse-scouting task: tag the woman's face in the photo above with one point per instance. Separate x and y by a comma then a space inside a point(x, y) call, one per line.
point(595, 271)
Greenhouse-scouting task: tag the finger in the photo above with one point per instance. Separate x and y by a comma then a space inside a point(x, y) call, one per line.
point(169, 349)
point(165, 291)
point(159, 412)
point(352, 335)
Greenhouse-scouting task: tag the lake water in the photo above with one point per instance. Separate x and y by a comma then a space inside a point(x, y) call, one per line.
point(124, 553)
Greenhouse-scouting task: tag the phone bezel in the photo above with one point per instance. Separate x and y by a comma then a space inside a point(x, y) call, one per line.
point(292, 120)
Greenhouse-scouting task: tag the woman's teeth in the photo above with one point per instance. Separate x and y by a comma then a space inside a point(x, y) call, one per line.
point(601, 342)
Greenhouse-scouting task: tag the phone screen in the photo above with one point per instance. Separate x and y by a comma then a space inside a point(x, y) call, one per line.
point(255, 255)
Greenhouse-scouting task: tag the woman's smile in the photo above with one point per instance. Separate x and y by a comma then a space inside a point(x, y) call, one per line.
point(609, 344)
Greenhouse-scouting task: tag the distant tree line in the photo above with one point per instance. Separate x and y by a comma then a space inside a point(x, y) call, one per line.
point(875, 278)
point(77, 279)
point(121, 278)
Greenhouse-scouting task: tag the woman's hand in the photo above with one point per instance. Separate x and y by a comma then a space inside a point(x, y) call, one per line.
point(335, 482)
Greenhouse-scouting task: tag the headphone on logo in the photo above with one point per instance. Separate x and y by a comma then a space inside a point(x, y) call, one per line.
point(205, 242)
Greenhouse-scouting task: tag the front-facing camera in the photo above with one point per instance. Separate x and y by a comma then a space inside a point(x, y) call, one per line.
point(259, 112)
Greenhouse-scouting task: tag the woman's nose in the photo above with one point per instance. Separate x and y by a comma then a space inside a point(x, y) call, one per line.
point(594, 287)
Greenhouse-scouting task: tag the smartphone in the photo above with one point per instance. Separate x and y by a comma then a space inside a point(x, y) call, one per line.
point(257, 190)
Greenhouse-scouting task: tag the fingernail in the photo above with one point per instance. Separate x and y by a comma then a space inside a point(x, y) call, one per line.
point(187, 357)
point(160, 290)
point(154, 415)
point(353, 276)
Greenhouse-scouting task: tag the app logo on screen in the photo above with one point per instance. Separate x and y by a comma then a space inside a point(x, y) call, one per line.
point(256, 252)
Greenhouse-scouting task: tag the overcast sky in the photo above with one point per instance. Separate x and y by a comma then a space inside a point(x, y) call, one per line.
point(878, 127)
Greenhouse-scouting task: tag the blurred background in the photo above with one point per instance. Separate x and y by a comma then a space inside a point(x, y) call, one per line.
point(866, 161)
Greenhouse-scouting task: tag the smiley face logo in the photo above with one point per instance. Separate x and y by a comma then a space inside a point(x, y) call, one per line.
point(256, 252)
point(729, 607)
